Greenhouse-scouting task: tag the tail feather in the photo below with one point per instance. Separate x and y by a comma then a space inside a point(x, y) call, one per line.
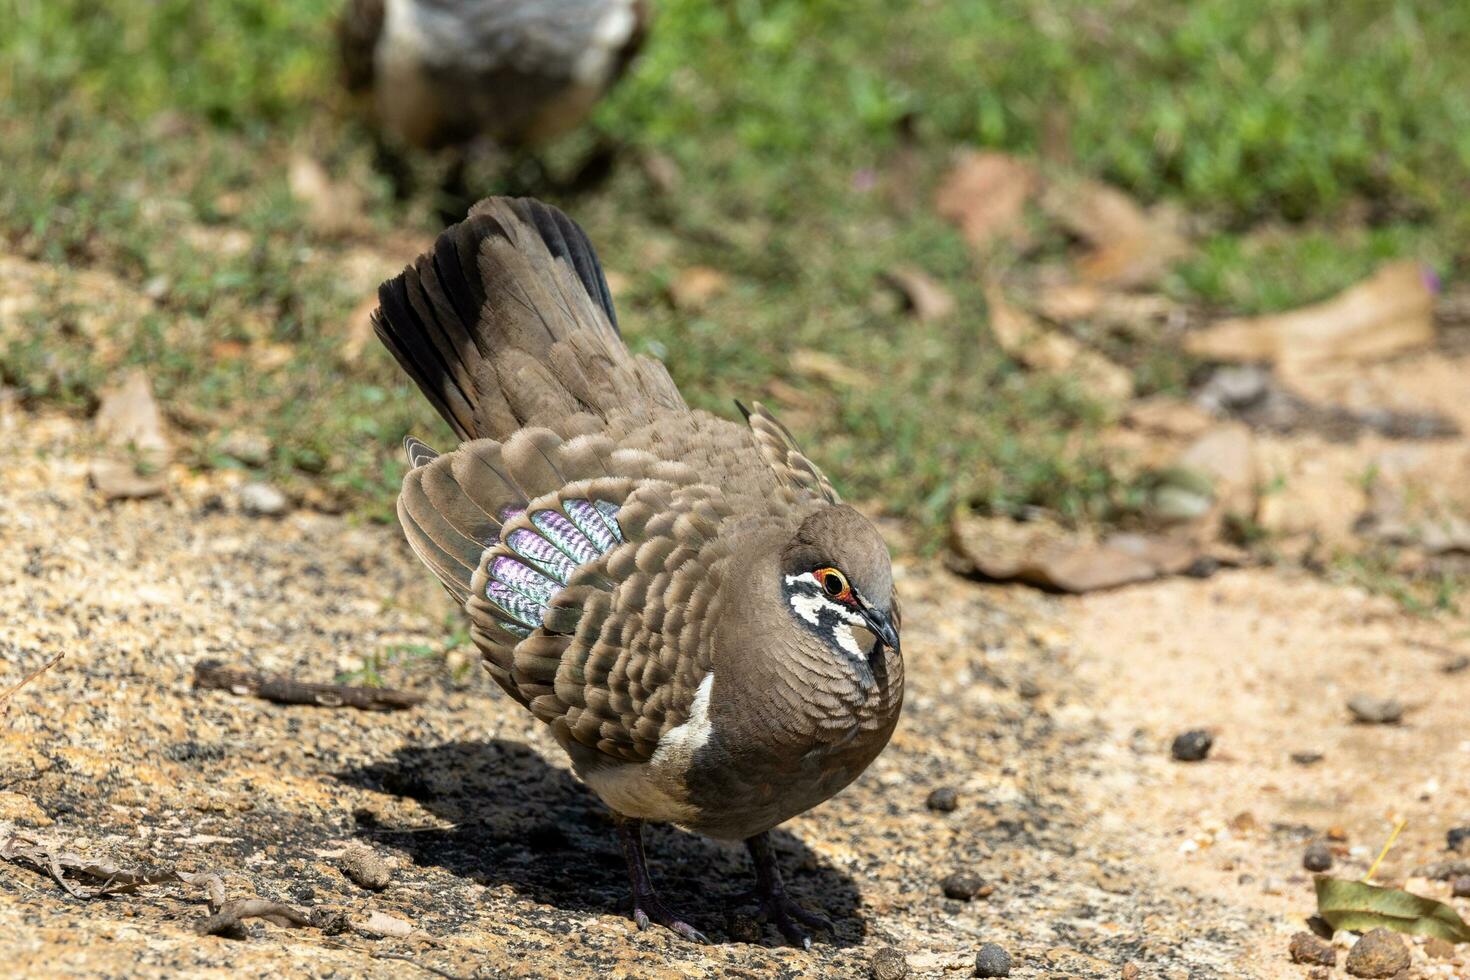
point(508, 321)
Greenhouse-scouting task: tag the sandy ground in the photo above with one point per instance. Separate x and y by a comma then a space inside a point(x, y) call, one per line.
point(1051, 717)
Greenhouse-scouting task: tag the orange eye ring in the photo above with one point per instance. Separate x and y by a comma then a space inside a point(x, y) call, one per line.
point(834, 584)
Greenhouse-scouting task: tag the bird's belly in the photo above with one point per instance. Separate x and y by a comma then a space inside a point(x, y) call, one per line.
point(639, 790)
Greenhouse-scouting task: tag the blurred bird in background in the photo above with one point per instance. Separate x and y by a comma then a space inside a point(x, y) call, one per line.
point(473, 76)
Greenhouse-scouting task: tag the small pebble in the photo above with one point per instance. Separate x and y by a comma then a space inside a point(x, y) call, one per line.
point(247, 446)
point(1028, 689)
point(1460, 887)
point(945, 799)
point(1307, 948)
point(1192, 746)
point(1457, 837)
point(366, 868)
point(1369, 710)
point(992, 961)
point(1456, 664)
point(1319, 973)
point(1130, 971)
point(1308, 757)
point(1318, 857)
point(962, 885)
point(262, 500)
point(888, 964)
point(1438, 949)
point(1380, 953)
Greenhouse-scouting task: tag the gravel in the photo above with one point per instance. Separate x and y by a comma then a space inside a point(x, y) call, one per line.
point(944, 799)
point(1307, 757)
point(1379, 953)
point(1192, 746)
point(1307, 948)
point(1318, 857)
point(1460, 887)
point(888, 964)
point(1457, 838)
point(962, 885)
point(1369, 710)
point(992, 961)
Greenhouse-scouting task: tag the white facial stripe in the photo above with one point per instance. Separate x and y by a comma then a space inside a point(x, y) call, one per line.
point(807, 604)
point(848, 642)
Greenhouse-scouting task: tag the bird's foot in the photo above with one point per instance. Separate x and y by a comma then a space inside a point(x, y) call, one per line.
point(787, 915)
point(651, 909)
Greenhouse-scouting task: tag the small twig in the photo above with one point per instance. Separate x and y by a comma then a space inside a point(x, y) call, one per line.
point(212, 675)
point(232, 914)
point(422, 966)
point(5, 695)
point(1398, 828)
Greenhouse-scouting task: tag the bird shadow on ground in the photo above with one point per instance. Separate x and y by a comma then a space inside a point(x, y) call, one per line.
point(520, 821)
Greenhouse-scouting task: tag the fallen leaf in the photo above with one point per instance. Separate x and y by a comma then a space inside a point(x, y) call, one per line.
point(1070, 301)
point(332, 207)
point(129, 421)
point(696, 286)
point(359, 329)
point(230, 918)
point(985, 193)
point(1226, 455)
point(1169, 417)
point(1024, 337)
point(1130, 246)
point(1390, 312)
point(1359, 906)
point(928, 300)
point(817, 364)
point(1043, 554)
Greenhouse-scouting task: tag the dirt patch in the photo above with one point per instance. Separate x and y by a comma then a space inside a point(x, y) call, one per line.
point(1019, 702)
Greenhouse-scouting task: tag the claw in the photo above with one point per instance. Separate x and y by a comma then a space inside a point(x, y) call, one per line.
point(664, 916)
point(647, 906)
point(776, 906)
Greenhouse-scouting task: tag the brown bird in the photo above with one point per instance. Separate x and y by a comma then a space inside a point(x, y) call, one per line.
point(712, 635)
point(512, 72)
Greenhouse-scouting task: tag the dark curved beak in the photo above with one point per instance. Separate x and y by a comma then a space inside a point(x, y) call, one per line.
point(879, 623)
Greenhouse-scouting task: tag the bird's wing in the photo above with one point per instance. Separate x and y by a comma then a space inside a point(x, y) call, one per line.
point(590, 571)
point(779, 449)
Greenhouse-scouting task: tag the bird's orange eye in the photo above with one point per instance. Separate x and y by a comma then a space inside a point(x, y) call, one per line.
point(834, 583)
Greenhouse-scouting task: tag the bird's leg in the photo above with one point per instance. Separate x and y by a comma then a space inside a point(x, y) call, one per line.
point(647, 906)
point(770, 891)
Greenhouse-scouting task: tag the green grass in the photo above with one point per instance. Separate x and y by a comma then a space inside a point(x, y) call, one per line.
point(1310, 139)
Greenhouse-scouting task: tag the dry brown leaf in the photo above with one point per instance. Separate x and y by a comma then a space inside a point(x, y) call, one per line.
point(1023, 337)
point(696, 286)
point(1070, 301)
point(985, 194)
point(1226, 454)
point(1045, 555)
point(928, 300)
point(359, 329)
point(1168, 417)
point(1130, 246)
point(332, 207)
point(130, 423)
point(1390, 312)
point(816, 364)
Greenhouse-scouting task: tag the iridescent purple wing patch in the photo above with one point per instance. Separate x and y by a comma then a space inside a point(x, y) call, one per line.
point(539, 563)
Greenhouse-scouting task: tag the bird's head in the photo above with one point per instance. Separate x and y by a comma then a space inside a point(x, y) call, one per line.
point(838, 585)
